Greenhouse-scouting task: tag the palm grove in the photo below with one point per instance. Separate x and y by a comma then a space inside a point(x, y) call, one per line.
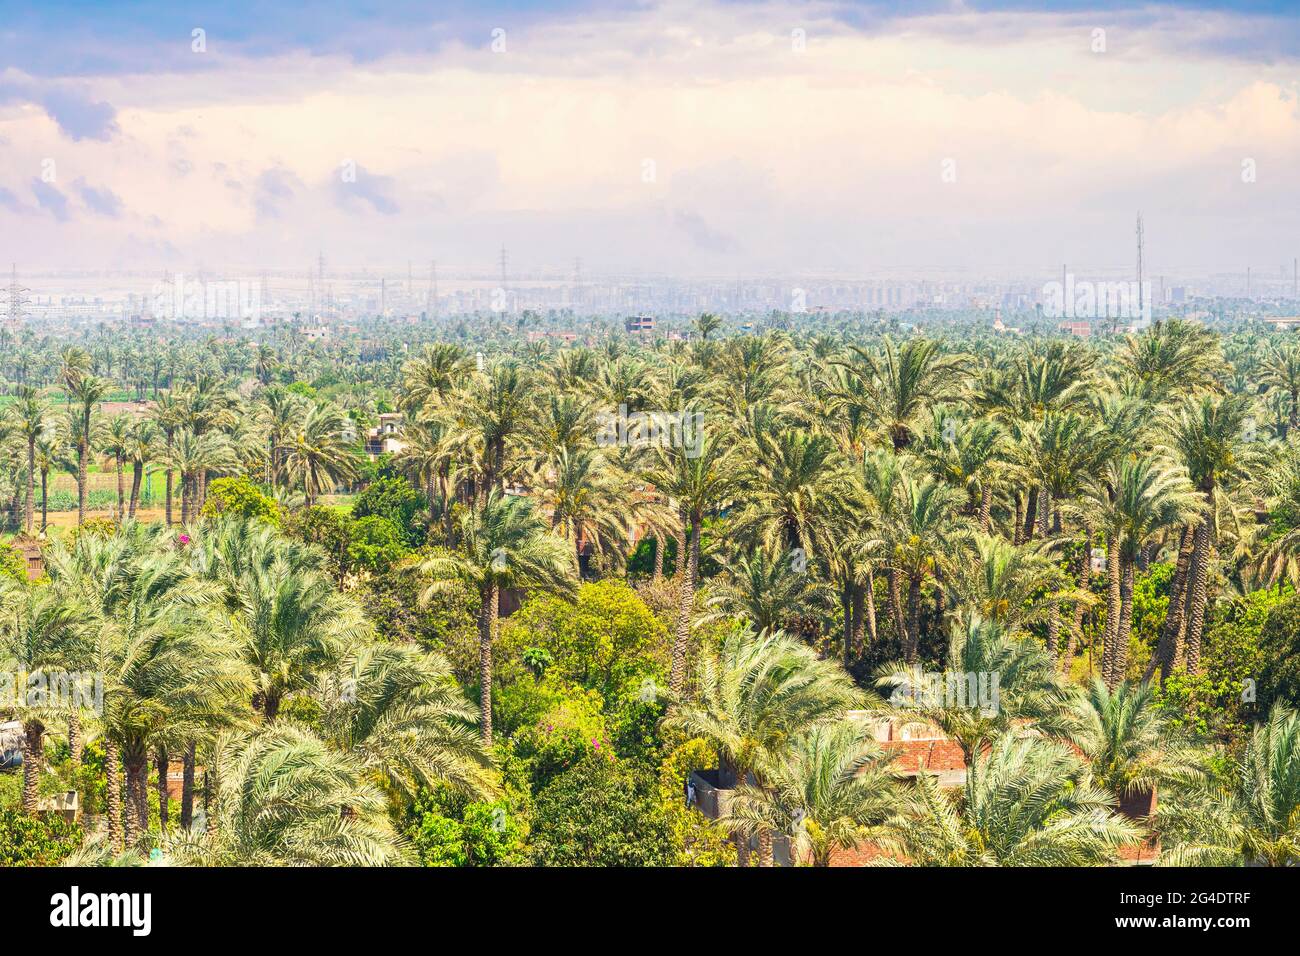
point(316, 637)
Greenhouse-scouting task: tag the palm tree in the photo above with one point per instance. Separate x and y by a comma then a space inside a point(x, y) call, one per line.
point(51, 453)
point(426, 457)
point(142, 447)
point(318, 456)
point(752, 695)
point(765, 589)
point(789, 489)
point(495, 413)
point(431, 376)
point(147, 629)
point(1281, 370)
point(1134, 503)
point(902, 382)
point(922, 531)
point(1126, 740)
point(290, 623)
point(169, 413)
point(1023, 804)
point(36, 630)
point(587, 502)
point(1254, 818)
point(193, 455)
point(697, 483)
point(86, 391)
point(507, 545)
point(1209, 438)
point(29, 413)
point(116, 445)
point(402, 718)
point(284, 797)
point(831, 787)
point(995, 679)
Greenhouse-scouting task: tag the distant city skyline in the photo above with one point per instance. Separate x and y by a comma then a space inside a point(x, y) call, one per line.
point(714, 139)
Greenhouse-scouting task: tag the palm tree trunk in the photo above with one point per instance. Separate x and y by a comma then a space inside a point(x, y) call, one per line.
point(163, 807)
point(846, 630)
point(686, 604)
point(113, 793)
point(74, 737)
point(659, 555)
point(765, 847)
point(31, 483)
point(1031, 514)
point(121, 491)
point(168, 475)
point(1112, 608)
point(869, 595)
point(1018, 533)
point(487, 620)
point(45, 500)
point(858, 607)
point(1168, 647)
point(1198, 593)
point(137, 478)
point(187, 788)
point(137, 794)
point(81, 482)
point(33, 759)
point(186, 496)
point(1119, 661)
point(896, 606)
point(913, 618)
point(1082, 572)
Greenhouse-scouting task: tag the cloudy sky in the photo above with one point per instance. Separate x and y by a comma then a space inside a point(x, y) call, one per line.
point(685, 136)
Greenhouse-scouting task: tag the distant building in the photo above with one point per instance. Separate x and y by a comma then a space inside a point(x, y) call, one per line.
point(1079, 330)
point(382, 439)
point(317, 334)
point(639, 323)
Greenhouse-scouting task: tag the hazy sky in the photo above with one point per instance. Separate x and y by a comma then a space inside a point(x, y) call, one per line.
point(682, 137)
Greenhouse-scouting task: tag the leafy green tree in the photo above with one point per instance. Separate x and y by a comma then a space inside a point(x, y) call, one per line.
point(239, 497)
point(599, 814)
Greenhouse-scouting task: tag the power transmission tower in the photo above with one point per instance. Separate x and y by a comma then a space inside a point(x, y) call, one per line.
point(17, 297)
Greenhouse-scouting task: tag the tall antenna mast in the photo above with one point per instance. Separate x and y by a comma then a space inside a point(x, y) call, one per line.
point(1141, 310)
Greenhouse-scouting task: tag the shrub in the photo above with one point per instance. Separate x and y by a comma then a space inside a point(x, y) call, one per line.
point(36, 840)
point(447, 830)
point(375, 544)
point(240, 497)
point(1279, 644)
point(394, 498)
point(597, 813)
